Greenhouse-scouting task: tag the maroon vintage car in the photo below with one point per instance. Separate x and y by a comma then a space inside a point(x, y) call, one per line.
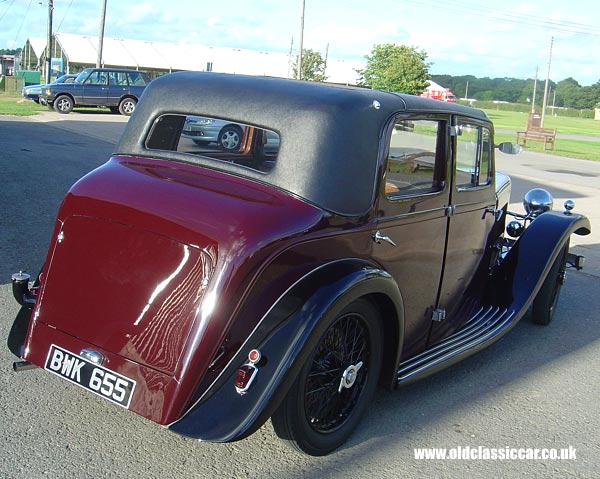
point(354, 238)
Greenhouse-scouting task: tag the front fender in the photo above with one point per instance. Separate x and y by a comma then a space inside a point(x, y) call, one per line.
point(223, 415)
point(523, 271)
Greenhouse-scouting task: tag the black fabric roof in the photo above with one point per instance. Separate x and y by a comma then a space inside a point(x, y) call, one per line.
point(329, 134)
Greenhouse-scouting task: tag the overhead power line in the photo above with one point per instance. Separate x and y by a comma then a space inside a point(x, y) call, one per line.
point(7, 9)
point(460, 8)
point(64, 16)
point(23, 21)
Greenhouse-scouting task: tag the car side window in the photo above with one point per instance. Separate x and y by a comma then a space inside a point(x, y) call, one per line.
point(135, 79)
point(96, 78)
point(411, 163)
point(473, 156)
point(118, 78)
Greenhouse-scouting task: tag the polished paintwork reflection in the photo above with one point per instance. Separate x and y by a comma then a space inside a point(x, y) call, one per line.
point(119, 225)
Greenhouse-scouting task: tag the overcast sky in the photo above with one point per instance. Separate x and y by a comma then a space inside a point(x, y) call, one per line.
point(460, 37)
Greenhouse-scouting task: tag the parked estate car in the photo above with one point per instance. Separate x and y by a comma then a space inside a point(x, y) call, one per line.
point(210, 291)
point(116, 88)
point(225, 134)
point(32, 92)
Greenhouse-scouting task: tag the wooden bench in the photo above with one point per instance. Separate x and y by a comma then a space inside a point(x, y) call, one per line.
point(543, 135)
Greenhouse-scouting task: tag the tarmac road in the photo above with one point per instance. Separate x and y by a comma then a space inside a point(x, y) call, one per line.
point(538, 387)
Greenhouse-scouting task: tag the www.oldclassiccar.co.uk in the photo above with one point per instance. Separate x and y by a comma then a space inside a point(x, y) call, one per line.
point(496, 454)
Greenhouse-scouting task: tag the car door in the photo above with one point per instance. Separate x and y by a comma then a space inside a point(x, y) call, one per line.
point(471, 219)
point(137, 83)
point(118, 87)
point(412, 220)
point(95, 88)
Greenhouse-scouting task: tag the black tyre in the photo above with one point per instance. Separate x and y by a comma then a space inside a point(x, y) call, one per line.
point(63, 104)
point(230, 138)
point(127, 106)
point(328, 397)
point(546, 300)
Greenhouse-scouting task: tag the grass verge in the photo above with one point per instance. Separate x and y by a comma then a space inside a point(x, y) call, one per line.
point(512, 120)
point(15, 104)
point(587, 150)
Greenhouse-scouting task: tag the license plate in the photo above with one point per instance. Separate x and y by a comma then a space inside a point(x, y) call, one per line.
point(101, 381)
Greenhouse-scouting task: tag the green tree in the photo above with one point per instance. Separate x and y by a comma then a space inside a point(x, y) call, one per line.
point(313, 66)
point(567, 92)
point(10, 51)
point(396, 68)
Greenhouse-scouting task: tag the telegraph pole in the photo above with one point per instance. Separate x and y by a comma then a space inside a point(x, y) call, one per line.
point(290, 57)
point(49, 42)
point(546, 86)
point(301, 42)
point(534, 89)
point(101, 35)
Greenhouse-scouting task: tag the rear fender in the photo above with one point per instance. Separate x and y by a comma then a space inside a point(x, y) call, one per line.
point(223, 415)
point(521, 275)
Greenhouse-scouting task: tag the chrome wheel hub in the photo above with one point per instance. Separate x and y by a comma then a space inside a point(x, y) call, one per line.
point(349, 376)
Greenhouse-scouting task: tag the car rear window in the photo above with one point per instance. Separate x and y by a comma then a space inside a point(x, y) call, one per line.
point(137, 79)
point(217, 138)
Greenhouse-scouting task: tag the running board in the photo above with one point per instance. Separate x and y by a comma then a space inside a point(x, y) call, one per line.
point(485, 327)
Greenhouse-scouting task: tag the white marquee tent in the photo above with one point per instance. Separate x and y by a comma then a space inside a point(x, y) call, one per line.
point(79, 51)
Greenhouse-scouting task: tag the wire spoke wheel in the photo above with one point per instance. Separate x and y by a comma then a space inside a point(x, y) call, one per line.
point(346, 343)
point(328, 397)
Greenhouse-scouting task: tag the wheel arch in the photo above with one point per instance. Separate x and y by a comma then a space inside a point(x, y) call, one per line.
point(324, 291)
point(127, 96)
point(521, 275)
point(70, 95)
point(392, 321)
point(231, 125)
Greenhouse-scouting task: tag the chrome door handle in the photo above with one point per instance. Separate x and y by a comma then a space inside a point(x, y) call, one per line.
point(378, 238)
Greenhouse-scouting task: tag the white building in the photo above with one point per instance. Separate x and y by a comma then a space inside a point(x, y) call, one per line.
point(80, 51)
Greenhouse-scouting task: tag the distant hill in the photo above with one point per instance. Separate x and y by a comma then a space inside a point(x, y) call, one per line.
point(568, 92)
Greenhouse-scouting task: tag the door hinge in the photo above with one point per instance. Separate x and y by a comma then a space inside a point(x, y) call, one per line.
point(450, 210)
point(497, 213)
point(438, 315)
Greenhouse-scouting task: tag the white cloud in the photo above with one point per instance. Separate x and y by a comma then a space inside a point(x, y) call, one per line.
point(212, 21)
point(456, 41)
